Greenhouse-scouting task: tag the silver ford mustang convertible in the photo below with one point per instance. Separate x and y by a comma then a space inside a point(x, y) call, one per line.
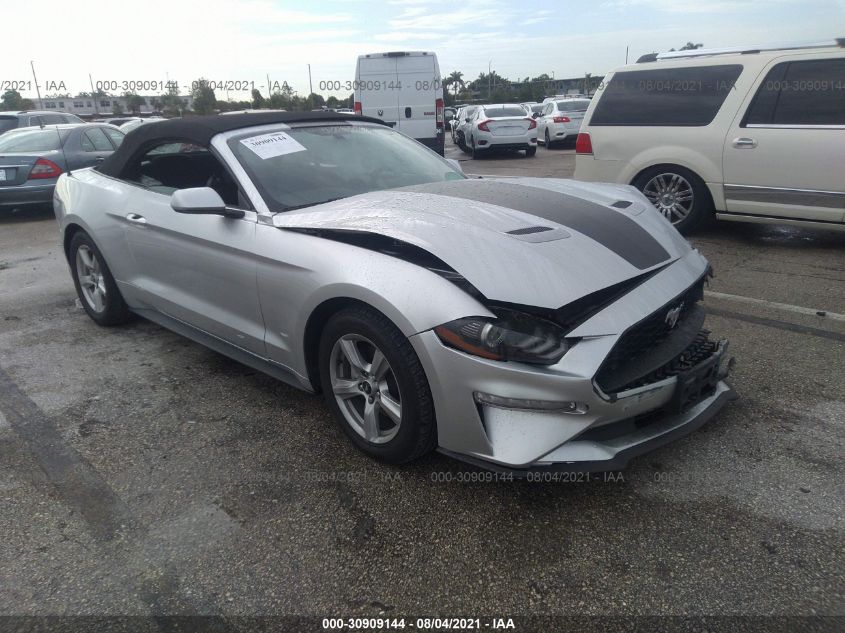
point(521, 324)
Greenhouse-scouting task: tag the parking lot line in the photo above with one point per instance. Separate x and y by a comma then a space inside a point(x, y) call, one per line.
point(835, 316)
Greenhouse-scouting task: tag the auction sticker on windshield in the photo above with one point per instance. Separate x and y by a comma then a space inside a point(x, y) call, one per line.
point(272, 145)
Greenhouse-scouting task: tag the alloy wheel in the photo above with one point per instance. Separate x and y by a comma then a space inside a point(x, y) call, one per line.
point(91, 279)
point(365, 388)
point(672, 195)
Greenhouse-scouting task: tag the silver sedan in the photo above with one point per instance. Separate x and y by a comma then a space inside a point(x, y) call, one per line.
point(522, 324)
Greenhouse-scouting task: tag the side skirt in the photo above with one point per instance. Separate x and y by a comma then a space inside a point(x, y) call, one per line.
point(264, 365)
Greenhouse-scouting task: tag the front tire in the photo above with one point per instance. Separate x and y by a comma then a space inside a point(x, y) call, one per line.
point(375, 386)
point(678, 194)
point(95, 285)
point(547, 140)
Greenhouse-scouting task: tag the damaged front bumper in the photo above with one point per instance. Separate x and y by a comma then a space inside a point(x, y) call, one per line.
point(556, 418)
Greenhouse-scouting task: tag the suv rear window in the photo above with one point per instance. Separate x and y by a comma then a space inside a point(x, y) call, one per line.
point(8, 123)
point(801, 93)
point(666, 96)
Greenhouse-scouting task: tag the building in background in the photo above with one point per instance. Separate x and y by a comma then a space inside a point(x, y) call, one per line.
point(104, 106)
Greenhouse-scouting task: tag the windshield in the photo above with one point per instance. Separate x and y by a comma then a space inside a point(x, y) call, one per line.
point(574, 105)
point(31, 140)
point(311, 165)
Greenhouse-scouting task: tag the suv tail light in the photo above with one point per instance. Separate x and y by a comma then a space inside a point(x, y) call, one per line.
point(357, 107)
point(483, 125)
point(562, 119)
point(531, 124)
point(438, 109)
point(44, 168)
point(583, 144)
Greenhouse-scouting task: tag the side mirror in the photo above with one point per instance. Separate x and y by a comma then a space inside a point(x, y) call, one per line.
point(467, 119)
point(456, 164)
point(536, 115)
point(202, 201)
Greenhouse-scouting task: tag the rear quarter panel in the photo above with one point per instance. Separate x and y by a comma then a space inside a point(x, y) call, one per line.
point(95, 203)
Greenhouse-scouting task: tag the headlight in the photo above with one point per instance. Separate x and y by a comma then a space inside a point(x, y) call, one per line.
point(513, 336)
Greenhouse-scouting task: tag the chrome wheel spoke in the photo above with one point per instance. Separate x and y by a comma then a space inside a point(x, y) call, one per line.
point(371, 430)
point(379, 367)
point(350, 351)
point(391, 407)
point(345, 388)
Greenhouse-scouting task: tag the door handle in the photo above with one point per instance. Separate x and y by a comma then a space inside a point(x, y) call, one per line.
point(744, 142)
point(136, 219)
point(100, 159)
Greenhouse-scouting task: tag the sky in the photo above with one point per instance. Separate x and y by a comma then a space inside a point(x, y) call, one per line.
point(249, 40)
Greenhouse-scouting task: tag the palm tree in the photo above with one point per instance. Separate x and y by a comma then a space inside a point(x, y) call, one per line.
point(456, 80)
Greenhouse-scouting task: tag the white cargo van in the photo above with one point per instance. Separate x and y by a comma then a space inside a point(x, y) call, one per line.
point(404, 90)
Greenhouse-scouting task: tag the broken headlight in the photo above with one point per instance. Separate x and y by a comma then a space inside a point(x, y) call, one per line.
point(513, 336)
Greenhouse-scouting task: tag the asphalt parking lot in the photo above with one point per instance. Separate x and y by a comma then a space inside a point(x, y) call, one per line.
point(142, 474)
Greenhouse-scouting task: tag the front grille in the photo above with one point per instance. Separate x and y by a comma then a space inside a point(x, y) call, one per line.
point(654, 343)
point(699, 350)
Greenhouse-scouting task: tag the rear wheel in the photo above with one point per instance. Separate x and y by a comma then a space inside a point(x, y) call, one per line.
point(679, 194)
point(375, 386)
point(476, 153)
point(95, 284)
point(531, 151)
point(548, 140)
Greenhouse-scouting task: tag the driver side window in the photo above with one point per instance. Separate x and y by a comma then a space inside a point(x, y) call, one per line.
point(168, 167)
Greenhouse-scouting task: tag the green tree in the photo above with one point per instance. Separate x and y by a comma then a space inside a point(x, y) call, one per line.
point(314, 101)
point(171, 102)
point(455, 80)
point(257, 99)
point(12, 100)
point(203, 96)
point(116, 108)
point(333, 102)
point(134, 102)
point(689, 46)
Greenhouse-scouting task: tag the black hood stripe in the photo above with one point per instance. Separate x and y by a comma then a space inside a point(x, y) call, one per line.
point(610, 228)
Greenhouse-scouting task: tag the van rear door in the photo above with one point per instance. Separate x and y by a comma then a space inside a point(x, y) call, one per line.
point(418, 96)
point(376, 88)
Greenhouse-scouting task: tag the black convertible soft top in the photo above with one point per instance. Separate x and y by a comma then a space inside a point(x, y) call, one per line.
point(201, 129)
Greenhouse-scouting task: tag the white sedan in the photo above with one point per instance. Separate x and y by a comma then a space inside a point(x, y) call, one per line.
point(501, 126)
point(560, 120)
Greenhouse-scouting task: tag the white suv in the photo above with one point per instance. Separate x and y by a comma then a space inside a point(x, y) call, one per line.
point(755, 135)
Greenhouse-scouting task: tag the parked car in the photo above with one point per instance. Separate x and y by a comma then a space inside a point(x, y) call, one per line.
point(560, 121)
point(32, 159)
point(30, 118)
point(309, 246)
point(448, 115)
point(131, 125)
point(502, 126)
point(754, 135)
point(532, 108)
point(403, 89)
point(463, 125)
point(123, 120)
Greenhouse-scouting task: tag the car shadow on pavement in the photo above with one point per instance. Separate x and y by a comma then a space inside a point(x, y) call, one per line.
point(25, 214)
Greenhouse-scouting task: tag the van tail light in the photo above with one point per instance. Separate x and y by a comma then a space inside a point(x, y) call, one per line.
point(483, 125)
point(438, 109)
point(44, 168)
point(562, 119)
point(357, 107)
point(583, 144)
point(531, 124)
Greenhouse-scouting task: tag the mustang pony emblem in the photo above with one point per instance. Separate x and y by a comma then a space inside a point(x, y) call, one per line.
point(673, 315)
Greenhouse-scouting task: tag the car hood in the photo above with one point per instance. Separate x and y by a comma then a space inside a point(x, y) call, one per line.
point(530, 241)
